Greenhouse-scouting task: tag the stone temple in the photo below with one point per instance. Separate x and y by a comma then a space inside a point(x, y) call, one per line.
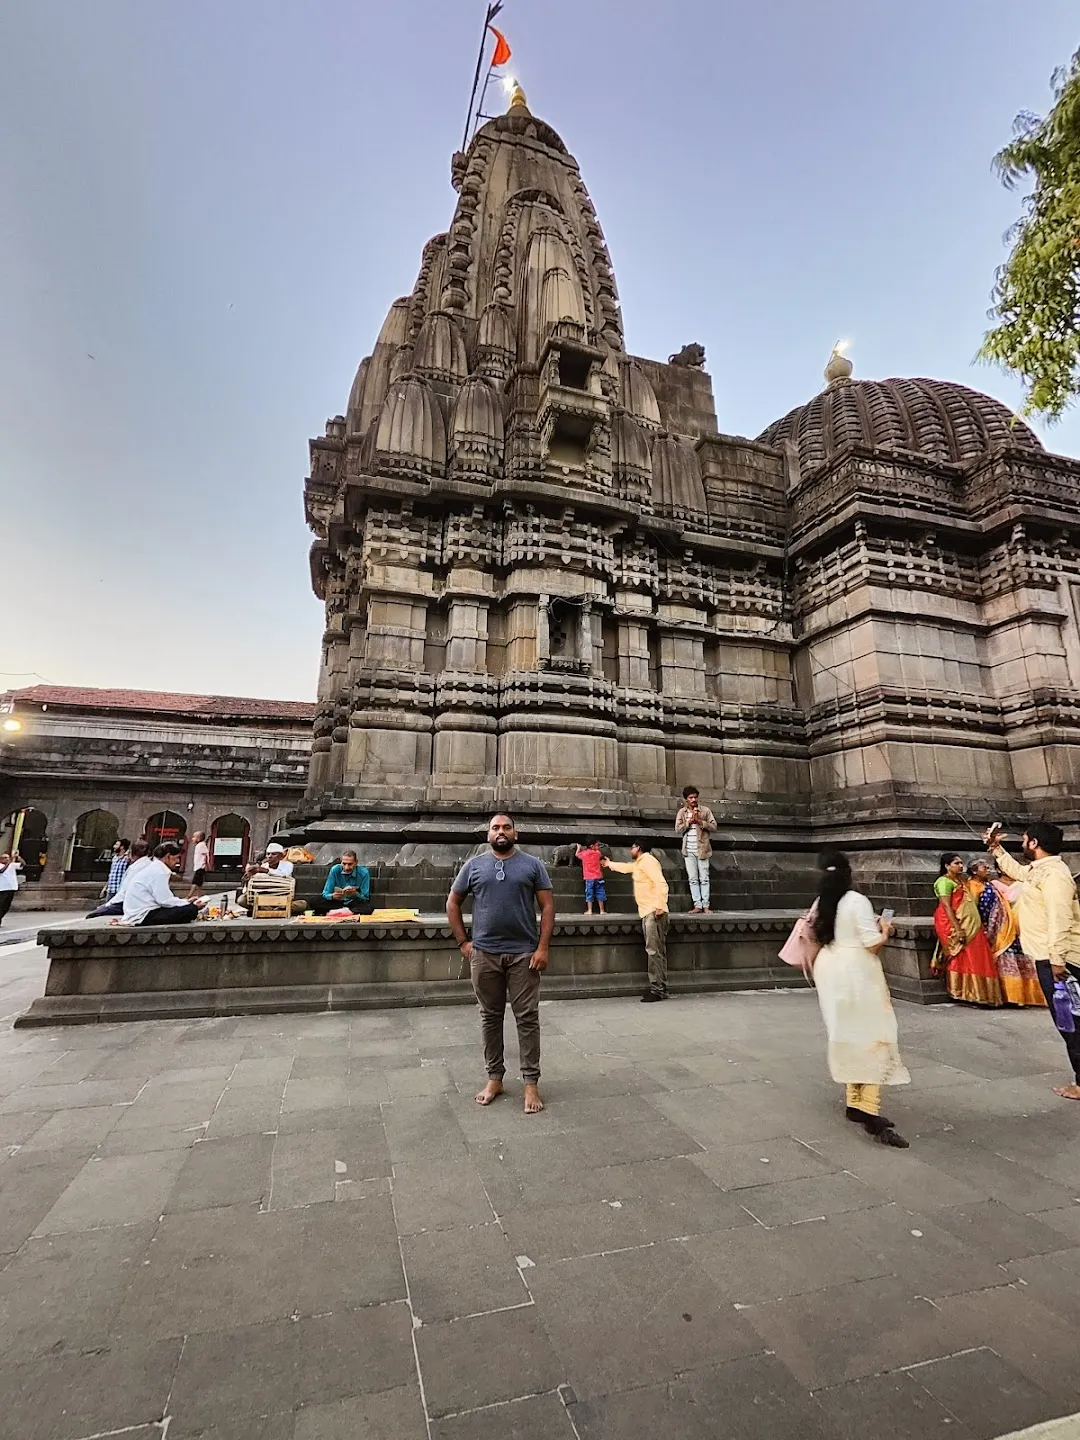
point(552, 585)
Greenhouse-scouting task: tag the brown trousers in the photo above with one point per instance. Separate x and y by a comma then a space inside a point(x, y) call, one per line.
point(654, 928)
point(496, 979)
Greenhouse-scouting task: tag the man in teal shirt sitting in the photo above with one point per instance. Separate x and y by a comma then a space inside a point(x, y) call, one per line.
point(348, 887)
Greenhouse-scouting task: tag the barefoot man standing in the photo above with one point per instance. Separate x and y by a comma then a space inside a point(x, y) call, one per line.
point(506, 954)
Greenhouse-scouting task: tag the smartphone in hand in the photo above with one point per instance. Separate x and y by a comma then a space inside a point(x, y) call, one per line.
point(887, 914)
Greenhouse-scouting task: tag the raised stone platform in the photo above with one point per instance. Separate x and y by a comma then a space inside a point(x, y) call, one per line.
point(108, 973)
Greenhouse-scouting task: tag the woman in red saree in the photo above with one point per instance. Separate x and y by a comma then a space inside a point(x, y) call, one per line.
point(963, 955)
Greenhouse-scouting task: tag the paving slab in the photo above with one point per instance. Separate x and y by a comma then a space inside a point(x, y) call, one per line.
point(215, 1270)
point(752, 1266)
point(387, 1415)
point(846, 1332)
point(888, 1407)
point(256, 1427)
point(486, 1360)
point(636, 1316)
point(115, 1190)
point(984, 1392)
point(461, 1272)
point(224, 1172)
point(754, 1398)
point(72, 1395)
point(62, 1292)
point(303, 1228)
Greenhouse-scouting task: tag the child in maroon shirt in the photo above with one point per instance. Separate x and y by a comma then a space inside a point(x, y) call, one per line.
point(595, 889)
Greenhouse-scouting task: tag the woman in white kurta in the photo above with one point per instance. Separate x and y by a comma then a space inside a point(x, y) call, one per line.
point(854, 999)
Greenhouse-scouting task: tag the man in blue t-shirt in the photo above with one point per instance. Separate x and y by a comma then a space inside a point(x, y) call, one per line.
point(506, 954)
point(348, 887)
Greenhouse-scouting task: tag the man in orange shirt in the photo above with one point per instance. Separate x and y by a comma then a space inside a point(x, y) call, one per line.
point(651, 898)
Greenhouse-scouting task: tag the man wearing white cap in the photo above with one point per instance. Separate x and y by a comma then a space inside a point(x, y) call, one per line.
point(273, 864)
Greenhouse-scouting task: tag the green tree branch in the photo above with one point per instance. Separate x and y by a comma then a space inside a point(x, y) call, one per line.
point(1036, 295)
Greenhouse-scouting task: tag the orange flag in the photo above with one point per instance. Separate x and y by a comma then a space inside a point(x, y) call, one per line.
point(502, 49)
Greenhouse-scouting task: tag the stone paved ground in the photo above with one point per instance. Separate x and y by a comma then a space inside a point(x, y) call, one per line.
point(302, 1228)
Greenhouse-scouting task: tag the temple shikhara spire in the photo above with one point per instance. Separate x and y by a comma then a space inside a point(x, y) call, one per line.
point(552, 585)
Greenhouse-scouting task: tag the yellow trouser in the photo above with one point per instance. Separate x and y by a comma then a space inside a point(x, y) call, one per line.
point(866, 1098)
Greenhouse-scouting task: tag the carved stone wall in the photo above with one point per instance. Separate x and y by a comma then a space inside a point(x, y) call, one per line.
point(552, 585)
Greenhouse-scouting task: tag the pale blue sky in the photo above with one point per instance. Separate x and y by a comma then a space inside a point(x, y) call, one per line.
point(218, 199)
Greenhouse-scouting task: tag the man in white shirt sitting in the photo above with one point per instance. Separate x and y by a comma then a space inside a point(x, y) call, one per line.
point(148, 900)
point(140, 859)
point(269, 876)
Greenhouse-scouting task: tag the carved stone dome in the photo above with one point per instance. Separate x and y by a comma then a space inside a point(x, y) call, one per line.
point(677, 484)
point(411, 433)
point(637, 395)
point(935, 418)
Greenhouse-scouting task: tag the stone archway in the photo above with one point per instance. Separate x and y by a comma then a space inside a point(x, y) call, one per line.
point(230, 841)
point(27, 830)
point(165, 826)
point(95, 833)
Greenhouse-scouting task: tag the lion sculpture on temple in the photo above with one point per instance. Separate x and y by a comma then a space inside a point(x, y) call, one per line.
point(692, 356)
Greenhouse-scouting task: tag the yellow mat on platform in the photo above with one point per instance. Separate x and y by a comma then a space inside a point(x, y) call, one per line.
point(377, 917)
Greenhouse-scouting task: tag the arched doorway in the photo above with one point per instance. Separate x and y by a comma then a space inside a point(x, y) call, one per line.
point(96, 833)
point(163, 826)
point(27, 831)
point(230, 839)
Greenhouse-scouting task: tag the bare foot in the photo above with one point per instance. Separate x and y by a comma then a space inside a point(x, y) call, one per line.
point(491, 1091)
point(533, 1103)
point(1068, 1092)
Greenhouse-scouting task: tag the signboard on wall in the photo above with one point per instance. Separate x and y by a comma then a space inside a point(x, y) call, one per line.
point(226, 845)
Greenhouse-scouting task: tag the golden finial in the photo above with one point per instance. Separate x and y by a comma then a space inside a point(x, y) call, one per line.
point(839, 366)
point(517, 97)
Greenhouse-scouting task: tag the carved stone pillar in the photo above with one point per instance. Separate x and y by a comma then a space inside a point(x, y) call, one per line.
point(390, 723)
point(465, 749)
point(643, 759)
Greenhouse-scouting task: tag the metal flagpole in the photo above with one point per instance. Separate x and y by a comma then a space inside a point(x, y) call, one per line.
point(492, 10)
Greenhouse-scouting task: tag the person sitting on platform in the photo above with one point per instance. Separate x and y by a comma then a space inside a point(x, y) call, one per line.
point(348, 887)
point(273, 875)
point(148, 900)
point(140, 859)
point(272, 863)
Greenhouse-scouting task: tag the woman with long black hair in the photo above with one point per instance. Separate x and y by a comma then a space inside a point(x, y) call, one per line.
point(854, 998)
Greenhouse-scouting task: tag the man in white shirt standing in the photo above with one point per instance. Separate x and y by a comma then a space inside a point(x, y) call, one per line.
point(148, 900)
point(200, 863)
point(10, 865)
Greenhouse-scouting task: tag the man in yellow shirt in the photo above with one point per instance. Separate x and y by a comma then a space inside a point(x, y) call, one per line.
point(1049, 915)
point(651, 898)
